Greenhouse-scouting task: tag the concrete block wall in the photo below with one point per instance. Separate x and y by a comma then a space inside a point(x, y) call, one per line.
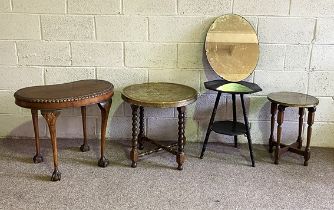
point(133, 41)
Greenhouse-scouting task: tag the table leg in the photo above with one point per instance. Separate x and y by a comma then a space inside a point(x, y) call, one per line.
point(84, 147)
point(310, 121)
point(300, 129)
point(234, 120)
point(51, 118)
point(247, 130)
point(180, 157)
point(134, 150)
point(208, 131)
point(271, 138)
point(105, 108)
point(38, 157)
point(280, 119)
point(141, 128)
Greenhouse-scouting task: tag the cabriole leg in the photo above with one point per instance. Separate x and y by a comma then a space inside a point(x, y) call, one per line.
point(38, 157)
point(84, 147)
point(105, 108)
point(51, 118)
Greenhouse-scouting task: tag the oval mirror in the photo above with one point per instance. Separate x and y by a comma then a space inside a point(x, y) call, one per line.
point(232, 47)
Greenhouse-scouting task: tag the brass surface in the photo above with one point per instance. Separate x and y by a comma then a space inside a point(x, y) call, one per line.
point(232, 47)
point(160, 95)
point(292, 99)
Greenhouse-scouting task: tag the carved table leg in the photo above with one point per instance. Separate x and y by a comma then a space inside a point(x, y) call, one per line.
point(141, 128)
point(38, 157)
point(84, 147)
point(300, 129)
point(105, 108)
point(134, 150)
point(208, 131)
point(234, 120)
point(271, 138)
point(310, 121)
point(247, 130)
point(51, 118)
point(280, 119)
point(180, 157)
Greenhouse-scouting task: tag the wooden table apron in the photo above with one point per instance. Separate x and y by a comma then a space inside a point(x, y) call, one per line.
point(50, 99)
point(158, 95)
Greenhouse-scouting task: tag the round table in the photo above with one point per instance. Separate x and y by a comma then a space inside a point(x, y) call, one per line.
point(280, 101)
point(158, 95)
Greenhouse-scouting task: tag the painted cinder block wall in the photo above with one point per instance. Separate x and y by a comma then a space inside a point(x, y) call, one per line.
point(133, 41)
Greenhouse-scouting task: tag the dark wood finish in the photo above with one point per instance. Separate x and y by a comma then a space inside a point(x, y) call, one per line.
point(105, 108)
point(208, 131)
point(84, 147)
point(280, 119)
point(290, 99)
point(180, 157)
point(250, 147)
point(272, 127)
point(300, 127)
point(38, 157)
point(51, 118)
point(234, 120)
point(310, 121)
point(50, 99)
point(241, 87)
point(141, 128)
point(232, 128)
point(134, 150)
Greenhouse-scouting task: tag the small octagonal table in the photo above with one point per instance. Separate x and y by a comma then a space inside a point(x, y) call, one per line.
point(158, 95)
point(291, 99)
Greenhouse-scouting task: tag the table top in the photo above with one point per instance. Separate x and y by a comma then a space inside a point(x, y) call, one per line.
point(72, 94)
point(293, 99)
point(224, 86)
point(160, 95)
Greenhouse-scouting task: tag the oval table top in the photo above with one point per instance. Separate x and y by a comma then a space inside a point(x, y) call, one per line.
point(160, 95)
point(72, 94)
point(293, 99)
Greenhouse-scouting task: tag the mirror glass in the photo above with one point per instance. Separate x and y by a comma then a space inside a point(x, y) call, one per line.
point(232, 47)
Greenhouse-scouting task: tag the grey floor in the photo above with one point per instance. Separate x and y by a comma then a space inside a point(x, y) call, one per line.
point(222, 180)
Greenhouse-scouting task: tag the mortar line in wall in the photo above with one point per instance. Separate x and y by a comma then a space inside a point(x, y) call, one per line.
point(177, 7)
point(11, 5)
point(16, 53)
point(123, 46)
point(232, 6)
point(122, 7)
point(66, 7)
point(40, 26)
point(290, 7)
point(148, 29)
point(284, 60)
point(43, 76)
point(95, 69)
point(95, 28)
point(70, 51)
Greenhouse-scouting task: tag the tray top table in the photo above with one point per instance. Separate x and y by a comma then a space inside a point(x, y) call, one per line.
point(51, 99)
point(158, 95)
point(291, 99)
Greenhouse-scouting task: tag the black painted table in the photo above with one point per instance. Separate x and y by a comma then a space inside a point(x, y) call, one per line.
point(231, 128)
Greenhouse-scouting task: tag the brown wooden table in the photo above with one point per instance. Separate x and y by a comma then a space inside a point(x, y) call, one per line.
point(158, 95)
point(50, 99)
point(291, 99)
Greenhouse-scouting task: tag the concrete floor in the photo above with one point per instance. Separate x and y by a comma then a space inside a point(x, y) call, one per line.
point(222, 180)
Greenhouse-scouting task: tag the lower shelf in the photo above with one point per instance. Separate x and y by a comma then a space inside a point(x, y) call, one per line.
point(229, 128)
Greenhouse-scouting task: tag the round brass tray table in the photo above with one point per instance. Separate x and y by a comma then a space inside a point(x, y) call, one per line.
point(280, 101)
point(158, 95)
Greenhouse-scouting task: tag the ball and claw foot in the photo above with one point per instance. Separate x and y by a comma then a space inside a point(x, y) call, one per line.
point(56, 175)
point(84, 148)
point(38, 159)
point(103, 162)
point(180, 167)
point(134, 164)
